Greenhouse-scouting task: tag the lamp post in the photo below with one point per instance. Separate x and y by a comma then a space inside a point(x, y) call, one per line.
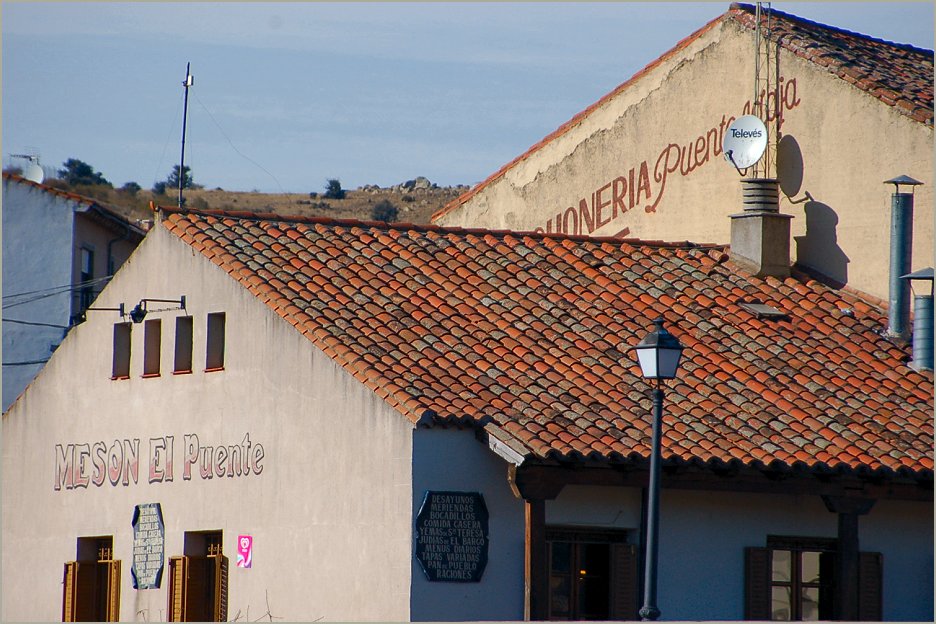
point(659, 354)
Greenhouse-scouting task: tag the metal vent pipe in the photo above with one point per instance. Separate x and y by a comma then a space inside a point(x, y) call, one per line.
point(901, 250)
point(922, 320)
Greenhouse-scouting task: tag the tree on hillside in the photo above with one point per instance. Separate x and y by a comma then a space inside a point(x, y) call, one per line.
point(76, 172)
point(131, 188)
point(333, 189)
point(384, 210)
point(173, 180)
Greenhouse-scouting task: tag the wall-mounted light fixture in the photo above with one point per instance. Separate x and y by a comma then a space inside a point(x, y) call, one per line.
point(140, 310)
point(81, 317)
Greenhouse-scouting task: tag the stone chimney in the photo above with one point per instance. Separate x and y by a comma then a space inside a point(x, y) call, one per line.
point(760, 236)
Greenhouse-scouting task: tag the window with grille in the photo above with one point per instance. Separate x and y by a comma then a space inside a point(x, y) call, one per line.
point(91, 583)
point(592, 575)
point(198, 580)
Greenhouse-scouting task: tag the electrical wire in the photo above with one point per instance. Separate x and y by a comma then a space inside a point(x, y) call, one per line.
point(37, 324)
point(221, 130)
point(54, 291)
point(29, 363)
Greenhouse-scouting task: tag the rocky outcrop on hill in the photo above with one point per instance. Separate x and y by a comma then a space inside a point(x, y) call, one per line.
point(418, 184)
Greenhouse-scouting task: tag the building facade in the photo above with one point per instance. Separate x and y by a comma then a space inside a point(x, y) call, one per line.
point(59, 249)
point(844, 112)
point(328, 420)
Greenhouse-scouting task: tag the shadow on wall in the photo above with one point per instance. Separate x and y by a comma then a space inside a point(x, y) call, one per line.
point(818, 248)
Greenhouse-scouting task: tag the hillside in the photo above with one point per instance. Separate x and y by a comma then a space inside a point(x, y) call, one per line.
point(415, 201)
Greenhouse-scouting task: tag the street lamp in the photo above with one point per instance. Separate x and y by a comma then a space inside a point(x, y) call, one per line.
point(658, 353)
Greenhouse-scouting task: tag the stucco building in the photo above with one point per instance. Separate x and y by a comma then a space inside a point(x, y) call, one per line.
point(360, 421)
point(59, 249)
point(844, 112)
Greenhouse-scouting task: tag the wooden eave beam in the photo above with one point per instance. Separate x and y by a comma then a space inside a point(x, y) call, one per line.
point(545, 482)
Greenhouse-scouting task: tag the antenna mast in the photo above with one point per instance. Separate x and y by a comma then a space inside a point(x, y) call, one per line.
point(762, 87)
point(188, 82)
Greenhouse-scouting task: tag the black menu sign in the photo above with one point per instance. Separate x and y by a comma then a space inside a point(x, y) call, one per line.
point(452, 536)
point(148, 546)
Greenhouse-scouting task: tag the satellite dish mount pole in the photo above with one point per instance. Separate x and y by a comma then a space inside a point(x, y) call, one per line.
point(188, 82)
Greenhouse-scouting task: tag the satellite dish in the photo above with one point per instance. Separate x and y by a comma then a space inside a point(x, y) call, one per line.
point(33, 172)
point(745, 141)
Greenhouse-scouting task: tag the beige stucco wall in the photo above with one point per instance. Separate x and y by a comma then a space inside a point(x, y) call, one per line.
point(330, 511)
point(648, 164)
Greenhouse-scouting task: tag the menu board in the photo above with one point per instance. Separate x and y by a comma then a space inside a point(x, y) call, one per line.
point(452, 536)
point(148, 546)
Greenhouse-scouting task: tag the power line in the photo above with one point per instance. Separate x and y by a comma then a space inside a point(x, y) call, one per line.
point(50, 292)
point(18, 322)
point(29, 363)
point(220, 129)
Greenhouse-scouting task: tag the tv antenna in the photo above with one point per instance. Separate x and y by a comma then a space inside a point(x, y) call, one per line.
point(188, 82)
point(33, 171)
point(764, 63)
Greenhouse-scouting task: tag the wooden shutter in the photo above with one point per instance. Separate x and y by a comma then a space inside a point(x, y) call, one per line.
point(79, 603)
point(220, 588)
point(70, 587)
point(756, 583)
point(870, 581)
point(178, 575)
point(623, 582)
point(113, 592)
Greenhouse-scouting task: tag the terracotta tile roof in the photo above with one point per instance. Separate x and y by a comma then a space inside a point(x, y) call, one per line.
point(528, 335)
point(899, 75)
point(87, 203)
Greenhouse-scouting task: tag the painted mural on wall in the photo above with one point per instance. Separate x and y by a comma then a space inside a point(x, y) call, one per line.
point(635, 187)
point(78, 466)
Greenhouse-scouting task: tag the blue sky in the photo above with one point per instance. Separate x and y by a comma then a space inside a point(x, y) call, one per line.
point(288, 95)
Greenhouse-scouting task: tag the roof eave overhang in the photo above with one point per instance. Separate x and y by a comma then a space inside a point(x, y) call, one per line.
point(546, 479)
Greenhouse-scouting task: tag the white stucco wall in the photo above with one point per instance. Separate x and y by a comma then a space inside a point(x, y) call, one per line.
point(454, 460)
point(651, 158)
point(37, 255)
point(330, 511)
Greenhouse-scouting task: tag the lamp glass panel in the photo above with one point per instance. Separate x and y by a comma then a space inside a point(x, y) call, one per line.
point(648, 362)
point(668, 362)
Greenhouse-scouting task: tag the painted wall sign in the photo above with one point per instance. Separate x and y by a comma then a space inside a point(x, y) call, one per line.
point(149, 539)
point(636, 186)
point(452, 536)
point(79, 465)
point(244, 551)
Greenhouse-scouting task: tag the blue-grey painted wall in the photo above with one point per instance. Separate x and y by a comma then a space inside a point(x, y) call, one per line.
point(447, 459)
point(37, 255)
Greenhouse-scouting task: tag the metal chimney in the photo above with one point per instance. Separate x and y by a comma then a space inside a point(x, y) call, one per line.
point(901, 249)
point(922, 321)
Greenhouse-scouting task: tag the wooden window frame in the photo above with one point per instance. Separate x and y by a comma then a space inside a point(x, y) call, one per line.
point(198, 580)
point(215, 341)
point(91, 585)
point(152, 347)
point(622, 569)
point(123, 340)
point(184, 342)
point(759, 582)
